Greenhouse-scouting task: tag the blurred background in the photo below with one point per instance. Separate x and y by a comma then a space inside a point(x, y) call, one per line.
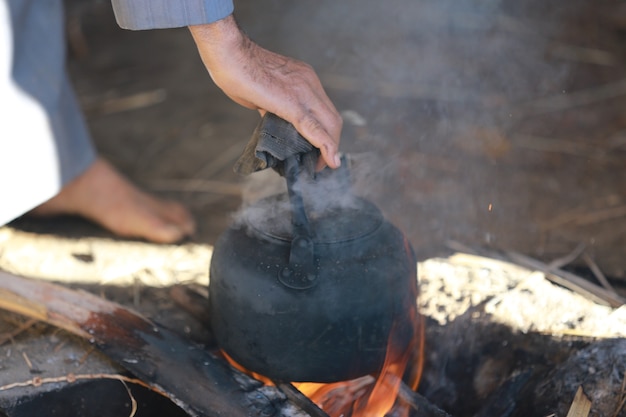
point(494, 123)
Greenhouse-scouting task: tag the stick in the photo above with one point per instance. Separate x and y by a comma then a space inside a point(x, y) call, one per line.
point(569, 258)
point(424, 407)
point(194, 379)
point(597, 272)
point(622, 398)
point(569, 280)
point(132, 102)
point(17, 331)
point(197, 306)
point(580, 406)
point(302, 400)
point(556, 275)
point(71, 378)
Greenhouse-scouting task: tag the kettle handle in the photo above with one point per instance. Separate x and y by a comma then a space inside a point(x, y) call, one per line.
point(300, 272)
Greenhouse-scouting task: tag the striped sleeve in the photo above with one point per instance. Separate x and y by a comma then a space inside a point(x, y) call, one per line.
point(160, 14)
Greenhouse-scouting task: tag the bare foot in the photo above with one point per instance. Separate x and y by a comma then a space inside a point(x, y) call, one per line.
point(103, 195)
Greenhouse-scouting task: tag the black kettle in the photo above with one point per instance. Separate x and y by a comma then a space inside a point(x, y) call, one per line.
point(308, 285)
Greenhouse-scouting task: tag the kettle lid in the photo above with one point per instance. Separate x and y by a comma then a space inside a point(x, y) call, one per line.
point(346, 219)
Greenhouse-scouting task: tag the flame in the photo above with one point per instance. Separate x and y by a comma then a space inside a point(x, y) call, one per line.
point(370, 396)
point(374, 397)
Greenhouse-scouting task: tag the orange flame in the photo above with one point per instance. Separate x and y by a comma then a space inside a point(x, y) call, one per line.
point(368, 396)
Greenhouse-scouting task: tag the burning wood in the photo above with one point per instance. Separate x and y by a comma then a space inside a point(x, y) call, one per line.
point(197, 381)
point(368, 396)
point(484, 360)
point(194, 379)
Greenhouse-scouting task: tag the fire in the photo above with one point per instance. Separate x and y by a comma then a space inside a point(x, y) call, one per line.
point(371, 396)
point(367, 396)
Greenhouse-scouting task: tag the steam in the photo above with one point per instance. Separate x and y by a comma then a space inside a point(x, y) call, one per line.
point(267, 205)
point(441, 88)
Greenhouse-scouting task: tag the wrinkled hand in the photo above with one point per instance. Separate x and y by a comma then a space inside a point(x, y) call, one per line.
point(260, 79)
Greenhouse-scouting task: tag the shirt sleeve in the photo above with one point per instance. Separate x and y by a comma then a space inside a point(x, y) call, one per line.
point(160, 14)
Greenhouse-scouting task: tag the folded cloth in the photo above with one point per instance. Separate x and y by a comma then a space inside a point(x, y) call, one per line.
point(273, 141)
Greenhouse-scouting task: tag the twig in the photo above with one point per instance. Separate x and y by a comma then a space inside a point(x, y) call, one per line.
point(580, 406)
point(300, 399)
point(598, 273)
point(619, 407)
point(461, 247)
point(569, 280)
point(133, 402)
point(569, 258)
point(71, 378)
point(132, 102)
point(87, 353)
point(27, 325)
point(589, 334)
point(193, 378)
point(27, 360)
point(556, 275)
point(622, 397)
point(419, 403)
point(191, 301)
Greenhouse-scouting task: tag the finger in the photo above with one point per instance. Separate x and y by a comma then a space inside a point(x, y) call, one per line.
point(320, 165)
point(331, 120)
point(313, 131)
point(328, 135)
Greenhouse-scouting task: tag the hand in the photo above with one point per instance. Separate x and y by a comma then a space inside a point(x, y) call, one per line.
point(260, 79)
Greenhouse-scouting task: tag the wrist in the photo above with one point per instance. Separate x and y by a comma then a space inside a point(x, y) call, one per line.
point(217, 38)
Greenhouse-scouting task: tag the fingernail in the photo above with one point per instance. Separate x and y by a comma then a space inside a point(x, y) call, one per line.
point(337, 160)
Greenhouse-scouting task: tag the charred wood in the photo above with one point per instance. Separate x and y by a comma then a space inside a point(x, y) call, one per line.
point(194, 379)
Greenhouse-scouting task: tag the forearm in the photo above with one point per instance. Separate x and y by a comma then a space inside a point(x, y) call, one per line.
point(219, 41)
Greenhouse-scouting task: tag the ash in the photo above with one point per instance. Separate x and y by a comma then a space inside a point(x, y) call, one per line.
point(503, 340)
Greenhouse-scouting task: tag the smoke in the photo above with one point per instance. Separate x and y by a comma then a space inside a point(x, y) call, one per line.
point(328, 194)
point(440, 88)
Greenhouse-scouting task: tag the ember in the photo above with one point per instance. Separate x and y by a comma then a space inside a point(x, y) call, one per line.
point(368, 396)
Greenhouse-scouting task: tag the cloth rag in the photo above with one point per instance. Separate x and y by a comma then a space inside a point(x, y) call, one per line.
point(273, 141)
